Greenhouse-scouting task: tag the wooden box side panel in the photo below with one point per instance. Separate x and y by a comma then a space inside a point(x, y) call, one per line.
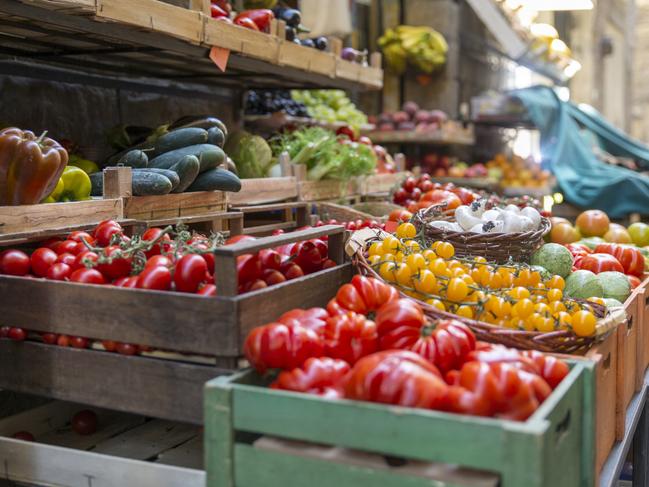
point(155, 16)
point(322, 190)
point(238, 39)
point(28, 218)
point(627, 368)
point(264, 190)
point(643, 304)
point(159, 388)
point(175, 205)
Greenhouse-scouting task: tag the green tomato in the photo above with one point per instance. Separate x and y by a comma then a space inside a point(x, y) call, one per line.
point(639, 234)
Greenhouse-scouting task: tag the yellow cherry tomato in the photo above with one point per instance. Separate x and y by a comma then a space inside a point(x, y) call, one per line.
point(501, 308)
point(564, 320)
point(479, 260)
point(597, 300)
point(554, 295)
point(406, 230)
point(376, 249)
point(416, 262)
point(389, 258)
point(439, 267)
point(556, 282)
point(387, 271)
point(535, 279)
point(403, 275)
point(391, 244)
point(523, 278)
point(374, 259)
point(400, 257)
point(425, 282)
point(556, 307)
point(517, 323)
point(584, 323)
point(457, 290)
point(544, 324)
point(468, 279)
point(412, 245)
point(519, 293)
point(429, 254)
point(458, 272)
point(523, 308)
point(465, 311)
point(445, 250)
point(542, 309)
point(495, 280)
point(529, 323)
point(436, 303)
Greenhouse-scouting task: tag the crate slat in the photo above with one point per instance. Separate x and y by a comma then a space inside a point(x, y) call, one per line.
point(258, 191)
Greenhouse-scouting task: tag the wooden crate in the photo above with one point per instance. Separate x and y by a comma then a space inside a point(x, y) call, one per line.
point(264, 219)
point(643, 307)
point(626, 356)
point(125, 450)
point(382, 183)
point(26, 221)
point(227, 222)
point(259, 191)
point(544, 450)
point(184, 323)
point(605, 359)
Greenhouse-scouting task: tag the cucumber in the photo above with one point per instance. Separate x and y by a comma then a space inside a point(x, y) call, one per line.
point(180, 138)
point(134, 158)
point(216, 180)
point(148, 183)
point(171, 175)
point(187, 168)
point(97, 181)
point(202, 121)
point(211, 159)
point(215, 136)
point(168, 159)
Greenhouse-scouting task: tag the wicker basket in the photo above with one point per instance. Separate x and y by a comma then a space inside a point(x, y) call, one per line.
point(364, 211)
point(495, 247)
point(561, 341)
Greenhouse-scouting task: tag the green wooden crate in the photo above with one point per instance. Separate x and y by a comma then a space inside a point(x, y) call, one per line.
point(552, 448)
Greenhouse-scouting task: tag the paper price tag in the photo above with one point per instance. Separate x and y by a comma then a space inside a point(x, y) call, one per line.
point(220, 56)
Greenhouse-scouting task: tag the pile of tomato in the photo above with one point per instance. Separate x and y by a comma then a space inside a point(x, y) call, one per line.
point(371, 345)
point(417, 193)
point(609, 257)
point(353, 225)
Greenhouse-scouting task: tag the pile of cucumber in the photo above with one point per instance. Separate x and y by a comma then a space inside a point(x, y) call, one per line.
point(188, 158)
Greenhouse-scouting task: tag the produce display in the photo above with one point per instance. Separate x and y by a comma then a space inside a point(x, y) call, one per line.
point(421, 47)
point(411, 117)
point(330, 106)
point(399, 357)
point(326, 155)
point(417, 193)
point(268, 102)
point(517, 172)
point(186, 156)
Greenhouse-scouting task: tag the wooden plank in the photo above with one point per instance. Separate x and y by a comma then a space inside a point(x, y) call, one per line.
point(37, 235)
point(381, 183)
point(130, 384)
point(46, 465)
point(270, 207)
point(118, 182)
point(187, 455)
point(30, 218)
point(175, 205)
point(335, 468)
point(238, 39)
point(644, 316)
point(626, 368)
point(125, 315)
point(186, 220)
point(307, 59)
point(264, 190)
point(322, 190)
point(296, 293)
point(147, 440)
point(155, 16)
point(266, 230)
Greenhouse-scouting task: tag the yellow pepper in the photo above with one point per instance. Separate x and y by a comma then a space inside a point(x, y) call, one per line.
point(76, 183)
point(88, 166)
point(56, 194)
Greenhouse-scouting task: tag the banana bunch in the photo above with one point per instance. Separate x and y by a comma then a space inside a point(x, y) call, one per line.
point(422, 47)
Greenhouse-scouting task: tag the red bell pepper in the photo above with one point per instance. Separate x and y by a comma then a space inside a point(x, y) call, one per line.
point(217, 11)
point(260, 17)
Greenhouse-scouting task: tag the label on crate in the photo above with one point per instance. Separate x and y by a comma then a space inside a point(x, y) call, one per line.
point(359, 239)
point(220, 57)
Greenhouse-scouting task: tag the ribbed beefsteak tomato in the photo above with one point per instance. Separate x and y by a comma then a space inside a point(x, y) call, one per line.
point(322, 376)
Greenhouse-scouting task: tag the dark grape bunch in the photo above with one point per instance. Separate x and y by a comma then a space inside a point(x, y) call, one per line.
point(264, 102)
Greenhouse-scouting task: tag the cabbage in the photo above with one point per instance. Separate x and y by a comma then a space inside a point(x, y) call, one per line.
point(250, 153)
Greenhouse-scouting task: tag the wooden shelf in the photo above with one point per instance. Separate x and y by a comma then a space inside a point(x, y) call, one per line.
point(136, 40)
point(423, 138)
point(278, 120)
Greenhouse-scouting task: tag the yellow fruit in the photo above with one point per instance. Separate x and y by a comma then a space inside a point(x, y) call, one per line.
point(436, 303)
point(425, 282)
point(374, 259)
point(416, 262)
point(403, 275)
point(406, 230)
point(465, 311)
point(584, 323)
point(376, 249)
point(391, 244)
point(387, 271)
point(523, 308)
point(445, 250)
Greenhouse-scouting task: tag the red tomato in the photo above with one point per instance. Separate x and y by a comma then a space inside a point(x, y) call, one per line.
point(397, 377)
point(399, 216)
point(409, 184)
point(51, 243)
point(631, 258)
point(4, 331)
point(14, 263)
point(152, 234)
point(551, 368)
point(321, 376)
point(425, 186)
point(59, 272)
point(84, 259)
point(293, 271)
point(105, 231)
point(63, 341)
point(270, 259)
point(17, 334)
point(313, 318)
point(88, 276)
point(271, 276)
point(349, 337)
point(593, 223)
point(80, 236)
point(399, 196)
point(578, 249)
point(278, 346)
point(156, 278)
point(119, 267)
point(189, 273)
point(24, 436)
point(246, 22)
point(49, 338)
point(328, 264)
point(255, 285)
point(79, 342)
point(66, 259)
point(466, 195)
point(158, 260)
point(363, 295)
point(248, 268)
point(41, 260)
point(308, 257)
point(127, 282)
point(239, 238)
point(634, 281)
point(126, 348)
point(85, 422)
point(443, 197)
point(109, 345)
point(599, 263)
point(207, 290)
point(68, 247)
